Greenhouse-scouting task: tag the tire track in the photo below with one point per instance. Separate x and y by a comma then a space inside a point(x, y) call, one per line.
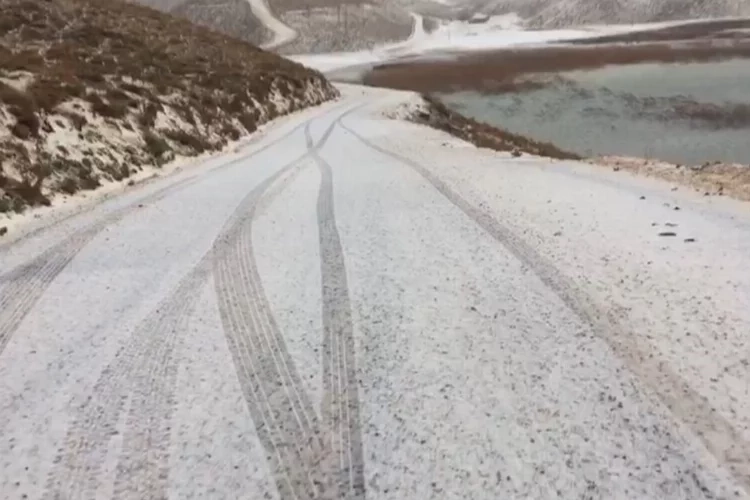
point(302, 460)
point(141, 378)
point(717, 434)
point(27, 283)
point(340, 411)
point(284, 417)
point(141, 373)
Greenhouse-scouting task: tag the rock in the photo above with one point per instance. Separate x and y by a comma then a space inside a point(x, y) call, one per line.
point(558, 233)
point(676, 208)
point(516, 153)
point(689, 240)
point(643, 198)
point(667, 234)
point(3, 231)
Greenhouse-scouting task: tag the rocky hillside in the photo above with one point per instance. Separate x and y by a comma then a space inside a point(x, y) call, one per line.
point(93, 91)
point(561, 13)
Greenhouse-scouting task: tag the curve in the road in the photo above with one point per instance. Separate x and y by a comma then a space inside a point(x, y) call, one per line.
point(282, 34)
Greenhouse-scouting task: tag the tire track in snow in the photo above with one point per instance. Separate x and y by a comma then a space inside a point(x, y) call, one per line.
point(306, 458)
point(340, 407)
point(284, 417)
point(717, 434)
point(141, 378)
point(301, 458)
point(25, 284)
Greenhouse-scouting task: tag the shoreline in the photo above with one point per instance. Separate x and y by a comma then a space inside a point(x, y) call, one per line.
point(712, 178)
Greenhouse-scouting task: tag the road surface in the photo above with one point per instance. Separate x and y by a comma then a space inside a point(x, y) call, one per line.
point(282, 34)
point(358, 307)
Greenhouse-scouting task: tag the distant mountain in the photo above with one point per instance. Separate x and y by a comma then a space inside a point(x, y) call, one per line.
point(562, 13)
point(231, 17)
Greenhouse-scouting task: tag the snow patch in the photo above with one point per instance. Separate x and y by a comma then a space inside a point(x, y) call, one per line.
point(19, 80)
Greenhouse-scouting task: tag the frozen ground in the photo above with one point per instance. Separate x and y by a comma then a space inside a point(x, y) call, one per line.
point(356, 306)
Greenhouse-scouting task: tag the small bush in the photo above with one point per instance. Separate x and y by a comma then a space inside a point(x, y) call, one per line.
point(6, 204)
point(21, 131)
point(192, 141)
point(249, 121)
point(68, 186)
point(230, 131)
point(147, 118)
point(155, 145)
point(47, 93)
point(107, 109)
point(89, 181)
point(133, 89)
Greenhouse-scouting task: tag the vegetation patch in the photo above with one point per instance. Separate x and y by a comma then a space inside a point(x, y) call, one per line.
point(93, 90)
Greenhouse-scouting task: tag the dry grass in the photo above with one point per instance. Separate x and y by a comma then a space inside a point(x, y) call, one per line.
point(107, 67)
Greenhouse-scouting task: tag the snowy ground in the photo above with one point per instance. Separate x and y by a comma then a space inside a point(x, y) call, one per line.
point(359, 306)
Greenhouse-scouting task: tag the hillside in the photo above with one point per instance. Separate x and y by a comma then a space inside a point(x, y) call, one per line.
point(93, 91)
point(342, 25)
point(322, 25)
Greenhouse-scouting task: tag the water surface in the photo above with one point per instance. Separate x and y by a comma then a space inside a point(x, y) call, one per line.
point(636, 110)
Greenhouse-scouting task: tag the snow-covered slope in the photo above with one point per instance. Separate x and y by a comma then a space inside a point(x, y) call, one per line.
point(121, 89)
point(559, 13)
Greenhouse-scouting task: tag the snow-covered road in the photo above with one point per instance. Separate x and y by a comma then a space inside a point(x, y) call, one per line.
point(282, 34)
point(359, 307)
